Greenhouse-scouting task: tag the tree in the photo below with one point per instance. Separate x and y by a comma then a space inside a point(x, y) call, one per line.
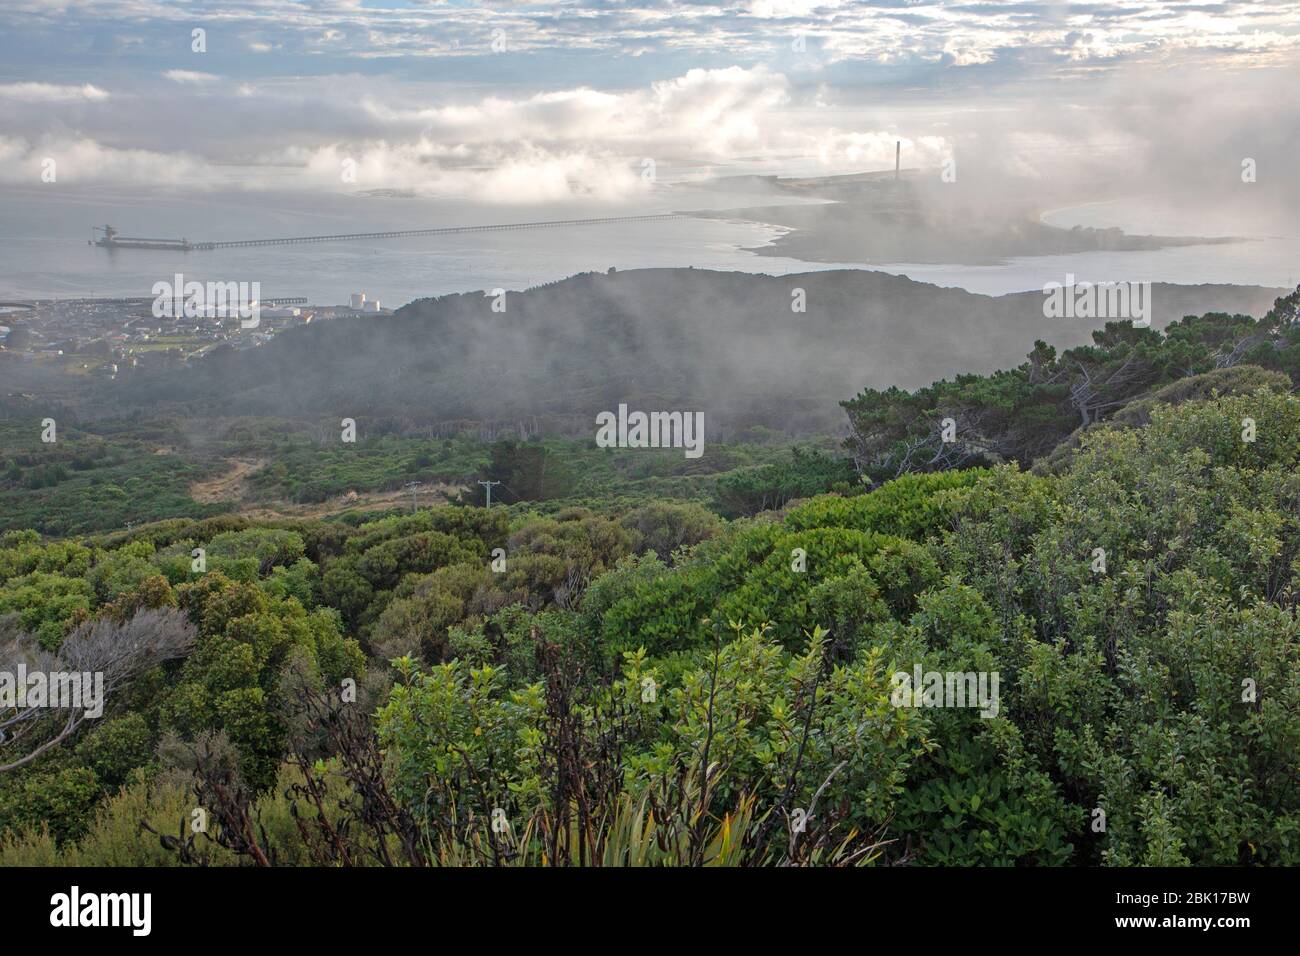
point(115, 652)
point(527, 471)
point(1022, 414)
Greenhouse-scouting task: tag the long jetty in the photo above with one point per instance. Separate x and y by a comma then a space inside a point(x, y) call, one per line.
point(114, 241)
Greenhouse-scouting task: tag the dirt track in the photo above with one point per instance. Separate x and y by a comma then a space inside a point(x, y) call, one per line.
point(229, 486)
point(232, 486)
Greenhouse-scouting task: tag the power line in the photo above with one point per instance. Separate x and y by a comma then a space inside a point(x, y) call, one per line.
point(488, 485)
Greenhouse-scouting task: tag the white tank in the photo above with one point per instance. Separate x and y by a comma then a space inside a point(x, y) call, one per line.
point(358, 301)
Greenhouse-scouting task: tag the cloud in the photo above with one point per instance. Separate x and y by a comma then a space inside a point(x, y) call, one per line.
point(83, 161)
point(709, 112)
point(516, 143)
point(191, 77)
point(578, 142)
point(524, 174)
point(941, 34)
point(51, 93)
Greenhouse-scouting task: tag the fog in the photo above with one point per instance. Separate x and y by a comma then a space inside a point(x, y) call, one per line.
point(1000, 113)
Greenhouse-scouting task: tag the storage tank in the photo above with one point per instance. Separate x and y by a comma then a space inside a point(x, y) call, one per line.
point(358, 301)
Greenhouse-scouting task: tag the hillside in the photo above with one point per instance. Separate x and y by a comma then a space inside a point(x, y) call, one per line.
point(658, 687)
point(725, 343)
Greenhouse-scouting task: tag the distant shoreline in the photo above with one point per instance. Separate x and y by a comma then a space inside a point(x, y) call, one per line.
point(811, 244)
point(875, 220)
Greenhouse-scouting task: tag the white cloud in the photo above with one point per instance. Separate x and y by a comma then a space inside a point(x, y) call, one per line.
point(522, 175)
point(714, 113)
point(191, 77)
point(563, 144)
point(1154, 31)
point(51, 93)
point(81, 160)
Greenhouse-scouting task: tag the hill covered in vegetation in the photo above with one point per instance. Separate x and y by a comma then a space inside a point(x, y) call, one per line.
point(1028, 412)
point(657, 660)
point(663, 687)
point(550, 358)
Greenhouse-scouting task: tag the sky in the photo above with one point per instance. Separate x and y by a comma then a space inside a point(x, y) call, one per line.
point(517, 102)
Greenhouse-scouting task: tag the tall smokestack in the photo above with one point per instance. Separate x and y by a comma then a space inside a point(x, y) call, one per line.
point(898, 154)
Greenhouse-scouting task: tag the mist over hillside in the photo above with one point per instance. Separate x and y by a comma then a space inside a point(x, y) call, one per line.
point(728, 344)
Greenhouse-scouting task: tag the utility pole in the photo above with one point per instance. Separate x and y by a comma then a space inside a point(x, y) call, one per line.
point(413, 485)
point(488, 485)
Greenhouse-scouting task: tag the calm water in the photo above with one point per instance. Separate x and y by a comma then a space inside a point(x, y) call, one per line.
point(44, 250)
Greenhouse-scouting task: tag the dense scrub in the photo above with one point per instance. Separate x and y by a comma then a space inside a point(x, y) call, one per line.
point(651, 684)
point(1025, 413)
point(103, 475)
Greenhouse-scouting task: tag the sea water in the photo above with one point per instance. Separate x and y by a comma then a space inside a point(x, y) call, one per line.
point(45, 253)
